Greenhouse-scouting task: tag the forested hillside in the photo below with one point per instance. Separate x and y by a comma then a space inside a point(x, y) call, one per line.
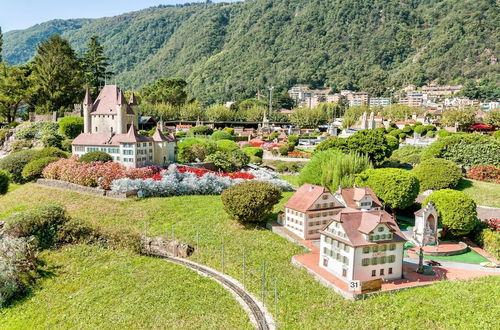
point(228, 51)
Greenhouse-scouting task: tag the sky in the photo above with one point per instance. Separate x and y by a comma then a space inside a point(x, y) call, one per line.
point(21, 14)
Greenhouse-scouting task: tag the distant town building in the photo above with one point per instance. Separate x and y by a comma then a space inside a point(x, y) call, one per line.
point(379, 102)
point(306, 97)
point(486, 106)
point(459, 102)
point(110, 125)
point(412, 99)
point(438, 90)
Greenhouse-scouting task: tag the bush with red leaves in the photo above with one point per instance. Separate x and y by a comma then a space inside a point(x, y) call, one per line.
point(488, 173)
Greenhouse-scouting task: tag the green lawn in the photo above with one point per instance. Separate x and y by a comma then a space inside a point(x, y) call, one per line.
point(484, 193)
point(471, 256)
point(303, 302)
point(94, 288)
point(293, 179)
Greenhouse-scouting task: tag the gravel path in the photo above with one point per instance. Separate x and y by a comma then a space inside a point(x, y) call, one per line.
point(458, 265)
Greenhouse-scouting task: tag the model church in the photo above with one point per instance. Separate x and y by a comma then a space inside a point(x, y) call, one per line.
point(110, 125)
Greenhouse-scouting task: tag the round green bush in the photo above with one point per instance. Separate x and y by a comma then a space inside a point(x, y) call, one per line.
point(250, 201)
point(497, 134)
point(443, 133)
point(420, 130)
point(396, 187)
point(285, 149)
point(15, 162)
point(407, 155)
point(4, 182)
point(50, 140)
point(437, 173)
point(96, 156)
point(50, 152)
point(201, 130)
point(253, 151)
point(430, 134)
point(70, 127)
point(227, 145)
point(456, 210)
point(402, 136)
point(33, 170)
point(222, 135)
point(255, 160)
point(293, 139)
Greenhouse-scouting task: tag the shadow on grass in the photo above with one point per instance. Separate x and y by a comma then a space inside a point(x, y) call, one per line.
point(464, 184)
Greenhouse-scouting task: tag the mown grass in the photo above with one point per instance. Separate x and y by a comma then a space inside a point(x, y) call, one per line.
point(293, 179)
point(94, 288)
point(484, 193)
point(303, 302)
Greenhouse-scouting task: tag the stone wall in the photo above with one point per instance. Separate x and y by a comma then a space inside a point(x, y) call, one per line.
point(83, 189)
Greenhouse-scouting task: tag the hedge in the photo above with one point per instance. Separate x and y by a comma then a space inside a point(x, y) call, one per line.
point(222, 135)
point(15, 162)
point(33, 170)
point(50, 152)
point(70, 127)
point(437, 173)
point(96, 156)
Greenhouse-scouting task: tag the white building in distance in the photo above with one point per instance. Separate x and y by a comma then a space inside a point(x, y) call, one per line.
point(110, 125)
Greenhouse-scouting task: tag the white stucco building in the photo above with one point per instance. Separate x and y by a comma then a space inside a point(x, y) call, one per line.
point(110, 125)
point(362, 245)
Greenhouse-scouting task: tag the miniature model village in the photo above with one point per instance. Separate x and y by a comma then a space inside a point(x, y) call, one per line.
point(356, 247)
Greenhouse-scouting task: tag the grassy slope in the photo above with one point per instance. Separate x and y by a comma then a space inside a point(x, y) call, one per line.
point(303, 303)
point(484, 193)
point(88, 287)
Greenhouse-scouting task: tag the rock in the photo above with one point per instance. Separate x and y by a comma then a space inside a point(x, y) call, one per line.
point(163, 247)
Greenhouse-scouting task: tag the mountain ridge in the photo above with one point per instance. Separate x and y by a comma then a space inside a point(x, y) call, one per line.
point(232, 50)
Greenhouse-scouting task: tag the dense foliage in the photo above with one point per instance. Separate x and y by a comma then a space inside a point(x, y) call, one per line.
point(396, 188)
point(226, 51)
point(15, 162)
point(229, 161)
point(465, 149)
point(407, 155)
point(332, 169)
point(456, 210)
point(251, 201)
point(70, 127)
point(34, 169)
point(4, 182)
point(437, 173)
point(96, 156)
point(485, 173)
point(372, 143)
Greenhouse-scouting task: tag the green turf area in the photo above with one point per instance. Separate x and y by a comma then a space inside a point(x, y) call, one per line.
point(471, 256)
point(484, 193)
point(91, 287)
point(293, 179)
point(303, 302)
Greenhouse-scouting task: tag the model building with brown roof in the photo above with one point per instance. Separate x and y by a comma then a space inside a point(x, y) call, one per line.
point(110, 125)
point(362, 245)
point(361, 198)
point(309, 209)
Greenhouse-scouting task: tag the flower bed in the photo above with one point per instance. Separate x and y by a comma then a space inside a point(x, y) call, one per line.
point(299, 154)
point(189, 181)
point(488, 173)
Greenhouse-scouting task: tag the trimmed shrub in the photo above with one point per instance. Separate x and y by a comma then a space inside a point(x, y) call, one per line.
point(332, 169)
point(230, 130)
point(253, 151)
point(15, 162)
point(96, 156)
point(34, 169)
point(491, 242)
point(21, 144)
point(456, 210)
point(431, 134)
point(201, 130)
point(193, 149)
point(465, 149)
point(227, 145)
point(50, 140)
point(293, 139)
point(221, 135)
point(255, 160)
point(407, 155)
point(50, 152)
point(37, 130)
point(42, 222)
point(485, 173)
point(250, 201)
point(66, 145)
point(70, 127)
point(4, 182)
point(392, 142)
point(285, 149)
point(229, 161)
point(443, 133)
point(395, 187)
point(437, 173)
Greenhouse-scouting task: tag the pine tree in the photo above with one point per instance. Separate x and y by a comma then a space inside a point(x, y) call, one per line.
point(14, 90)
point(95, 64)
point(1, 43)
point(57, 77)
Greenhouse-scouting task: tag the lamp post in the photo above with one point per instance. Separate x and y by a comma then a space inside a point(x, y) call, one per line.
point(270, 99)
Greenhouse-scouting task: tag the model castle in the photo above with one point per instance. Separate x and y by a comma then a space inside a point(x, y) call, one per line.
point(110, 125)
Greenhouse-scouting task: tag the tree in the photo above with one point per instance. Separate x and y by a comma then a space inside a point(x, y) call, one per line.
point(191, 111)
point(464, 118)
point(397, 188)
point(166, 90)
point(456, 210)
point(437, 173)
point(372, 143)
point(308, 118)
point(399, 112)
point(492, 118)
point(250, 201)
point(95, 64)
point(218, 112)
point(14, 90)
point(1, 44)
point(57, 76)
point(332, 169)
point(4, 182)
point(70, 127)
point(283, 101)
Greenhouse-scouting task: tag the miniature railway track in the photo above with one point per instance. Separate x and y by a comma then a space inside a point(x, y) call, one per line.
point(249, 301)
